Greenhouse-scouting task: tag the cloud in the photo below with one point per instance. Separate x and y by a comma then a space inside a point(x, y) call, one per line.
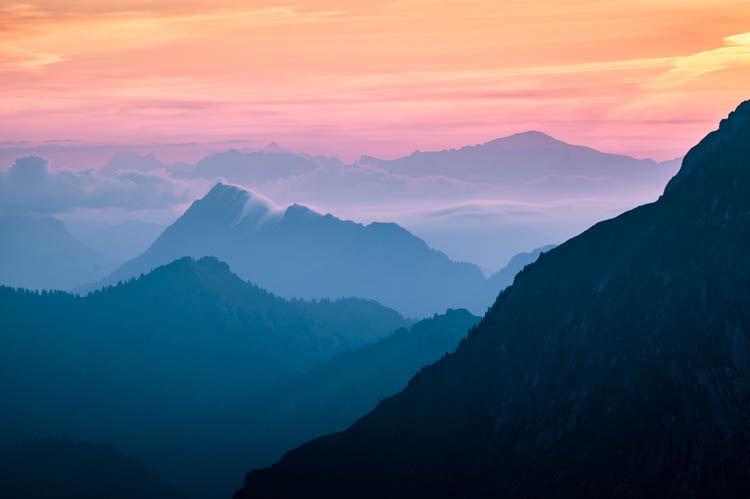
point(360, 183)
point(483, 209)
point(735, 54)
point(29, 185)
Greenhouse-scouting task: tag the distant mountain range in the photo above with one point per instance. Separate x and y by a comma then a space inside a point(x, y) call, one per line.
point(41, 252)
point(617, 365)
point(118, 242)
point(130, 161)
point(248, 168)
point(526, 157)
point(297, 252)
point(481, 203)
point(37, 251)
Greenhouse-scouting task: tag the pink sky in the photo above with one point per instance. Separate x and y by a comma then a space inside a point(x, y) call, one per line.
point(646, 78)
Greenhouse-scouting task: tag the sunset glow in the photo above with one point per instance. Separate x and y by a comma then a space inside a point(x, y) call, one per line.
point(645, 78)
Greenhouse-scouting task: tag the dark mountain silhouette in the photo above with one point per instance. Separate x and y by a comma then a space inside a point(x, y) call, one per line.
point(38, 252)
point(300, 253)
point(524, 157)
point(64, 469)
point(150, 356)
point(504, 277)
point(617, 365)
point(329, 397)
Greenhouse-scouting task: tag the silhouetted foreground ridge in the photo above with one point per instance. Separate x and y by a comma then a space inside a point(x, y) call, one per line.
point(329, 397)
point(64, 469)
point(617, 365)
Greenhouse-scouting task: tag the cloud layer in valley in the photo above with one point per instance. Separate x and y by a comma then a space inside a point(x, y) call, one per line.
point(30, 185)
point(481, 203)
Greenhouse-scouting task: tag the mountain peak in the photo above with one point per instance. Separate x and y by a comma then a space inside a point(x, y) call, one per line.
point(131, 160)
point(193, 268)
point(237, 203)
point(530, 138)
point(720, 158)
point(298, 212)
point(274, 148)
point(221, 189)
point(204, 262)
point(532, 135)
point(226, 194)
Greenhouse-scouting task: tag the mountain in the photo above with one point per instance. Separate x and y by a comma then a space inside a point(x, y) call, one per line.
point(617, 365)
point(38, 252)
point(118, 242)
point(130, 161)
point(525, 157)
point(329, 397)
point(297, 252)
point(274, 148)
point(504, 277)
point(147, 358)
point(64, 469)
point(249, 168)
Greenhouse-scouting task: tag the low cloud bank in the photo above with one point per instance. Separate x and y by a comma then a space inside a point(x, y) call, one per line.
point(30, 185)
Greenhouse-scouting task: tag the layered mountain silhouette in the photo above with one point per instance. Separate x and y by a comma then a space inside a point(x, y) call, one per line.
point(131, 361)
point(189, 368)
point(297, 252)
point(65, 469)
point(524, 157)
point(617, 365)
point(329, 397)
point(37, 251)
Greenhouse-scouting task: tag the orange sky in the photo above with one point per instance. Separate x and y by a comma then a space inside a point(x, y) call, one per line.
point(647, 78)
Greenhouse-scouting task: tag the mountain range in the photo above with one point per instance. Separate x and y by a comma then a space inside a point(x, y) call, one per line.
point(480, 204)
point(256, 430)
point(248, 168)
point(199, 373)
point(41, 252)
point(297, 252)
point(617, 365)
point(525, 157)
point(38, 251)
point(146, 354)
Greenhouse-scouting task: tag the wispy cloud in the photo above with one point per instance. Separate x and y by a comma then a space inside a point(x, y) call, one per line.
point(367, 76)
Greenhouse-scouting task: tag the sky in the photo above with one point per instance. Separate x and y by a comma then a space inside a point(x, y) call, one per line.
point(644, 78)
